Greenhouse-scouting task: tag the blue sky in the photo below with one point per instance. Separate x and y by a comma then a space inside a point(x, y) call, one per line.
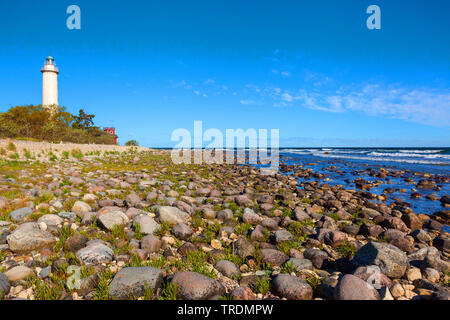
point(311, 69)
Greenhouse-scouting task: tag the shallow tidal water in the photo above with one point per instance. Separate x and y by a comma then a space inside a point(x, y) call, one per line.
point(349, 164)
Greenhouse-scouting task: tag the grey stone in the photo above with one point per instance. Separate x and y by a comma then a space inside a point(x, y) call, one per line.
point(68, 215)
point(433, 260)
point(317, 257)
point(270, 224)
point(351, 287)
point(18, 273)
point(243, 248)
point(4, 285)
point(227, 268)
point(441, 295)
point(88, 218)
point(274, 257)
point(111, 219)
point(182, 231)
point(150, 243)
point(4, 233)
point(251, 217)
point(300, 264)
point(172, 215)
point(195, 286)
point(374, 275)
point(28, 237)
point(20, 214)
point(147, 224)
point(95, 253)
point(258, 234)
point(283, 235)
point(208, 213)
point(225, 215)
point(421, 235)
point(301, 215)
point(291, 288)
point(134, 281)
point(75, 242)
point(390, 259)
point(52, 221)
point(45, 272)
point(80, 208)
point(132, 200)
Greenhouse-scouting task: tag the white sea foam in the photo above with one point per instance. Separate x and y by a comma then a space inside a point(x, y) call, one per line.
point(415, 155)
point(405, 156)
point(381, 159)
point(420, 151)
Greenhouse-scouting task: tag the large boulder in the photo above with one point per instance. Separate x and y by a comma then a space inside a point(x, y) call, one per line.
point(251, 217)
point(195, 286)
point(20, 214)
point(351, 287)
point(182, 231)
point(96, 252)
point(28, 237)
point(111, 219)
point(291, 288)
point(18, 273)
point(373, 275)
point(53, 222)
point(172, 215)
point(146, 223)
point(4, 285)
point(391, 260)
point(282, 235)
point(227, 268)
point(274, 257)
point(80, 208)
point(134, 282)
point(331, 237)
point(132, 200)
point(300, 264)
point(150, 243)
point(317, 257)
point(243, 248)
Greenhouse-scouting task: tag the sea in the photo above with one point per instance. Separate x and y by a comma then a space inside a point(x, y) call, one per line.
point(341, 164)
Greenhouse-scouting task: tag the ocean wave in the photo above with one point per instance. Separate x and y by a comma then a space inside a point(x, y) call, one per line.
point(382, 159)
point(410, 155)
point(420, 151)
point(339, 151)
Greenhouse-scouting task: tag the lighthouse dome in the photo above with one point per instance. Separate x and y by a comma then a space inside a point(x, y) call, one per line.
point(49, 60)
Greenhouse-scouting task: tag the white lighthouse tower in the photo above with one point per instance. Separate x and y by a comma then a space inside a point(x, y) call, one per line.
point(50, 84)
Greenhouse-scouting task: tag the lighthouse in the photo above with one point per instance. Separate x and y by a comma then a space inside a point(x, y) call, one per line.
point(50, 84)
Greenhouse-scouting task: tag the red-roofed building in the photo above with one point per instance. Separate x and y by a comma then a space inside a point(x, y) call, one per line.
point(111, 131)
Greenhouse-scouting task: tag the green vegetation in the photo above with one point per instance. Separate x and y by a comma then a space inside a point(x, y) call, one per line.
point(262, 285)
point(285, 246)
point(104, 280)
point(287, 267)
point(347, 249)
point(195, 262)
point(12, 147)
point(243, 228)
point(76, 153)
point(43, 290)
point(131, 143)
point(169, 291)
point(37, 123)
point(64, 234)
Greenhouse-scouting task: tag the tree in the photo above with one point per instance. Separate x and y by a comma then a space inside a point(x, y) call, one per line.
point(36, 122)
point(83, 120)
point(131, 143)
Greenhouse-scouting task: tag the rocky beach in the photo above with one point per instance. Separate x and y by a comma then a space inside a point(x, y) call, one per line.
point(93, 222)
